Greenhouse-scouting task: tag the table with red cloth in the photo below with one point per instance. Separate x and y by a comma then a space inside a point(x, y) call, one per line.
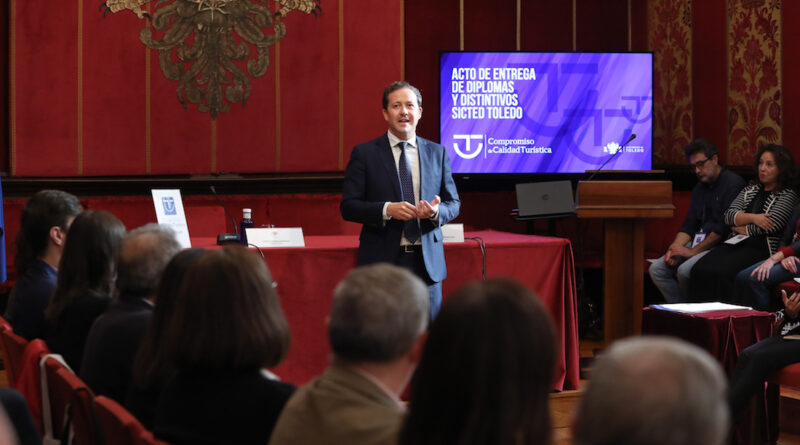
point(724, 334)
point(306, 277)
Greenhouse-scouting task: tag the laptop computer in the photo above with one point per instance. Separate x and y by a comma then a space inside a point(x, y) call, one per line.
point(545, 199)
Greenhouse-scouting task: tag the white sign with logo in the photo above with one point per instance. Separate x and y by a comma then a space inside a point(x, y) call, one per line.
point(276, 237)
point(453, 233)
point(169, 211)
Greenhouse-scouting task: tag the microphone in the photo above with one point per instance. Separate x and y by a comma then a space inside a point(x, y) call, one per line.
point(226, 238)
point(619, 150)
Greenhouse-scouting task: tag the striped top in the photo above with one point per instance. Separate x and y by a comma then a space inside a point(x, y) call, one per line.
point(778, 204)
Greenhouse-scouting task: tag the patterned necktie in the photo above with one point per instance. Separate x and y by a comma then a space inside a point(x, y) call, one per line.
point(407, 186)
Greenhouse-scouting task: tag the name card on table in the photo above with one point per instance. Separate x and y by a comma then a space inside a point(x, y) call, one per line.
point(169, 211)
point(453, 233)
point(276, 237)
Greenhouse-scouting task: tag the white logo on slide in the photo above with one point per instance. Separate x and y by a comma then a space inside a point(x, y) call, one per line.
point(468, 147)
point(611, 148)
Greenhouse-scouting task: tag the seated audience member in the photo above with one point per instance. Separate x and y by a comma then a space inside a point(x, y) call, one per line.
point(85, 282)
point(486, 370)
point(754, 285)
point(115, 336)
point(653, 391)
point(760, 212)
point(378, 317)
point(760, 360)
point(711, 196)
point(227, 327)
point(44, 223)
point(151, 367)
point(22, 427)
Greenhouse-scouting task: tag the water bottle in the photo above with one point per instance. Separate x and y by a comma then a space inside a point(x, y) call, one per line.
point(246, 222)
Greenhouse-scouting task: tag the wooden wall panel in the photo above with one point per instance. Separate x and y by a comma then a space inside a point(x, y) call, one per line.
point(430, 27)
point(490, 26)
point(709, 73)
point(45, 60)
point(546, 26)
point(601, 25)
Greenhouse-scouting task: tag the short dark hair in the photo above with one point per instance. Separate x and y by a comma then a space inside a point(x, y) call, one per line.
point(152, 367)
point(87, 263)
point(144, 254)
point(377, 314)
point(399, 85)
point(785, 163)
point(227, 316)
point(486, 370)
point(700, 146)
point(44, 210)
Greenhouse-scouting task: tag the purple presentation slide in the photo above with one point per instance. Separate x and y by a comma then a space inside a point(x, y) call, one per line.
point(546, 112)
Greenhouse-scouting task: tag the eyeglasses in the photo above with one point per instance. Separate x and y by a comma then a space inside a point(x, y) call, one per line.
point(699, 164)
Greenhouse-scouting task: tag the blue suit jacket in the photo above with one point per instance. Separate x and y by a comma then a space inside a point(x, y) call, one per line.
point(371, 180)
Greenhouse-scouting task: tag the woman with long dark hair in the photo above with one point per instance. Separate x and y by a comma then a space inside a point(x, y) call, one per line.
point(486, 370)
point(760, 213)
point(85, 282)
point(228, 326)
point(152, 367)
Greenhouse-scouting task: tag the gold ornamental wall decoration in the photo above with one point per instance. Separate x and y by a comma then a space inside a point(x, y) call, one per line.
point(207, 46)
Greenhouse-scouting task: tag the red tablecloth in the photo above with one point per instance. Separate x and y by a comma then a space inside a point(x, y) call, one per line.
point(724, 334)
point(307, 276)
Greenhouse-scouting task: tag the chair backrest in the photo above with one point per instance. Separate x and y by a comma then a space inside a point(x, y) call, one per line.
point(787, 376)
point(116, 424)
point(70, 400)
point(13, 347)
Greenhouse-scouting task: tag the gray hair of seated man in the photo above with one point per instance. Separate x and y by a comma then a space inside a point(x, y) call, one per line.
point(654, 391)
point(143, 256)
point(377, 314)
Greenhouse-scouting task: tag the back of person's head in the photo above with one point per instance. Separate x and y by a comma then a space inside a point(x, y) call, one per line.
point(227, 315)
point(377, 315)
point(700, 146)
point(653, 391)
point(486, 370)
point(44, 210)
point(152, 367)
point(87, 263)
point(144, 254)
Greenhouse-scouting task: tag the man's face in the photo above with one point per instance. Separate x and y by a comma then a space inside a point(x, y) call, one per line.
point(703, 167)
point(402, 113)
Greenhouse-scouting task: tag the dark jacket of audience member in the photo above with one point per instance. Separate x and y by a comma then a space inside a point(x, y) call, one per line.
point(85, 282)
point(486, 370)
point(227, 326)
point(151, 367)
point(115, 336)
point(44, 223)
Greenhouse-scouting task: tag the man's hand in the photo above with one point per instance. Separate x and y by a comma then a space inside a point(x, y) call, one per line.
point(762, 220)
point(790, 264)
point(792, 304)
point(762, 271)
point(675, 250)
point(427, 209)
point(402, 210)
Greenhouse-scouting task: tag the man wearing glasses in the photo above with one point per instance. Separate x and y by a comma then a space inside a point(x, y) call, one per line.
point(703, 227)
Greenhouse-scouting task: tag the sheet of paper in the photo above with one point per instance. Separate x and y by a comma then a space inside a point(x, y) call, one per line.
point(693, 308)
point(453, 233)
point(736, 239)
point(169, 212)
point(276, 237)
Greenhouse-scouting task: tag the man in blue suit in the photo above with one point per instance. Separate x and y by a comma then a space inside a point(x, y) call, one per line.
point(400, 188)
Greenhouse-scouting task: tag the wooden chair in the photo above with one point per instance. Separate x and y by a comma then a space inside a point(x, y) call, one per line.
point(70, 404)
point(787, 376)
point(120, 427)
point(13, 347)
